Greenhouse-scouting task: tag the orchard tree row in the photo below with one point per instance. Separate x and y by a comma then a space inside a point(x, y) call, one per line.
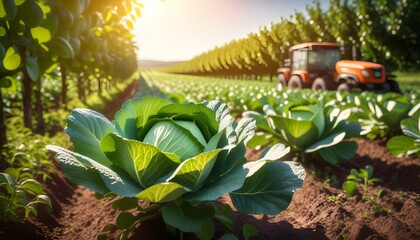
point(86, 41)
point(383, 31)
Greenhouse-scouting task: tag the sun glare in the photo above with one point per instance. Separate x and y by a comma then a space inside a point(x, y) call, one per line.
point(149, 6)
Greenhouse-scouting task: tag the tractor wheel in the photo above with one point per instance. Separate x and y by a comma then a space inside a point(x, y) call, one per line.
point(344, 87)
point(281, 80)
point(393, 85)
point(295, 83)
point(319, 85)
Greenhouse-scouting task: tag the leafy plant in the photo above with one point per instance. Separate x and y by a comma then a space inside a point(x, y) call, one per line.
point(308, 129)
point(361, 178)
point(409, 143)
point(29, 154)
point(20, 195)
point(375, 200)
point(132, 215)
point(382, 115)
point(177, 155)
point(333, 198)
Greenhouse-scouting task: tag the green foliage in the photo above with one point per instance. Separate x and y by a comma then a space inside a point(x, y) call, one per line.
point(378, 114)
point(32, 68)
point(383, 31)
point(126, 220)
point(61, 47)
point(375, 200)
point(26, 150)
point(12, 59)
point(20, 195)
point(132, 216)
point(42, 40)
point(240, 95)
point(147, 155)
point(308, 129)
point(382, 114)
point(361, 178)
point(409, 143)
point(332, 198)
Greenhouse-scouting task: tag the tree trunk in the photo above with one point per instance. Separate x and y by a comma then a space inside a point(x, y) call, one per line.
point(81, 89)
point(107, 85)
point(3, 139)
point(39, 108)
point(89, 88)
point(99, 87)
point(63, 86)
point(27, 100)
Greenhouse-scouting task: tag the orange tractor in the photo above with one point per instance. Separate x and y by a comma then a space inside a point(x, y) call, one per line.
point(318, 66)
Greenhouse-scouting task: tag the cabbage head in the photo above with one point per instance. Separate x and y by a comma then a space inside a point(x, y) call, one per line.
point(177, 155)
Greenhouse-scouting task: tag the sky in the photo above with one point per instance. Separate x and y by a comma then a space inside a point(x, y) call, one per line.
point(177, 30)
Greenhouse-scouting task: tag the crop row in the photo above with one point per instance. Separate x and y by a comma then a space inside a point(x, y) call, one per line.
point(378, 115)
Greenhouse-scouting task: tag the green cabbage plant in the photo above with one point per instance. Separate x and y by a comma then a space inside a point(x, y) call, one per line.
point(309, 129)
point(382, 114)
point(409, 142)
point(177, 155)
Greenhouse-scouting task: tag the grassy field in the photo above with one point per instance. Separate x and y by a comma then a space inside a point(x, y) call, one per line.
point(412, 77)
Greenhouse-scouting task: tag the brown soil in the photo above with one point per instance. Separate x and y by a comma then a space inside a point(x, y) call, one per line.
point(314, 214)
point(319, 210)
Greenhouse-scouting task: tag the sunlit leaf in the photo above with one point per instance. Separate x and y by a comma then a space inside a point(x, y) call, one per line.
point(41, 34)
point(2, 32)
point(12, 59)
point(134, 115)
point(143, 162)
point(193, 172)
point(6, 178)
point(19, 2)
point(32, 186)
point(162, 192)
point(411, 127)
point(400, 145)
point(130, 24)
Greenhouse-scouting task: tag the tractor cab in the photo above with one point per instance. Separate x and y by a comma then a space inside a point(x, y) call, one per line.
point(309, 61)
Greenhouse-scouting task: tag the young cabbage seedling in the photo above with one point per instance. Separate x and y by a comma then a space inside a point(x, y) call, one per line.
point(362, 179)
